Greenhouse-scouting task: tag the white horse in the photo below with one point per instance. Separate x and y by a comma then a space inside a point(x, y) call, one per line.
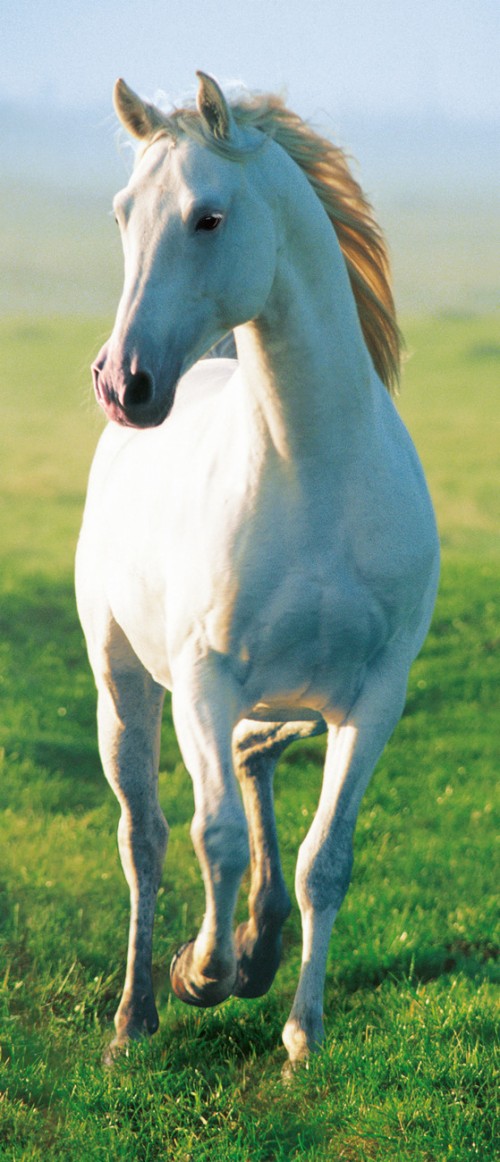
point(264, 546)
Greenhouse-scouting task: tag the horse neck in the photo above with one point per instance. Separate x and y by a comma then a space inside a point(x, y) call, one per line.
point(304, 360)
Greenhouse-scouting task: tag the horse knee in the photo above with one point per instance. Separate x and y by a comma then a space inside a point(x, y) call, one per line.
point(323, 872)
point(142, 839)
point(222, 840)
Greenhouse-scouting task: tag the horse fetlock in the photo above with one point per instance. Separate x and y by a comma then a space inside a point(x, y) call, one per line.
point(213, 954)
point(259, 955)
point(126, 1032)
point(136, 1017)
point(202, 981)
point(303, 1035)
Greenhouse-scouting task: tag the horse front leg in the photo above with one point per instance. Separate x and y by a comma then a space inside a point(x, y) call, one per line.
point(129, 718)
point(325, 858)
point(203, 971)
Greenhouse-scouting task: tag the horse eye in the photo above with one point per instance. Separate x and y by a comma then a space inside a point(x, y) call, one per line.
point(209, 222)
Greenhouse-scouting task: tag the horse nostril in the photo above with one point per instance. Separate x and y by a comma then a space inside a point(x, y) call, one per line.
point(139, 390)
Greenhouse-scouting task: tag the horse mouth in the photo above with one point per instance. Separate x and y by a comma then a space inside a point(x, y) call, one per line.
point(139, 413)
point(152, 419)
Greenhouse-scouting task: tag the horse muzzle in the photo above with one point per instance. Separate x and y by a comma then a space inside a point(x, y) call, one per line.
point(128, 392)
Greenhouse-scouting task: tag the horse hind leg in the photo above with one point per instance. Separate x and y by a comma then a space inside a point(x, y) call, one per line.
point(257, 746)
point(325, 858)
point(205, 708)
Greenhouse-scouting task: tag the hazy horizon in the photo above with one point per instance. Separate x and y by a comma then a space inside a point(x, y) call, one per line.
point(434, 194)
point(411, 92)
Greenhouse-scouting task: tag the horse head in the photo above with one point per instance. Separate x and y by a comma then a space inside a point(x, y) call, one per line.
point(200, 247)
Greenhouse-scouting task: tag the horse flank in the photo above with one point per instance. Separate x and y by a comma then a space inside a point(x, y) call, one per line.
point(351, 215)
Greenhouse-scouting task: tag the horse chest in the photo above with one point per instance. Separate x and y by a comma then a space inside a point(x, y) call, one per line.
point(266, 593)
point(296, 636)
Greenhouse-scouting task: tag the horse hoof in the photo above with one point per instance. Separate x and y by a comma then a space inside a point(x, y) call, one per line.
point(291, 1069)
point(118, 1047)
point(258, 962)
point(205, 996)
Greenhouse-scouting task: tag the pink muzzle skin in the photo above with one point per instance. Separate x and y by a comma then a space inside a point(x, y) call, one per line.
point(127, 392)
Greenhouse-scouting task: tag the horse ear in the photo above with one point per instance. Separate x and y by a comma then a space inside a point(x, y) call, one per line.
point(141, 119)
point(213, 107)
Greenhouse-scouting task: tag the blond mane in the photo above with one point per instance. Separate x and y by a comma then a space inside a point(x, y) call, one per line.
point(351, 215)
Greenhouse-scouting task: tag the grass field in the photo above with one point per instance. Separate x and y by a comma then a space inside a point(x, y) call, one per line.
point(408, 1070)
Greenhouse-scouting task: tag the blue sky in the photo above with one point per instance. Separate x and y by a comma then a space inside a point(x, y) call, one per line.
point(380, 56)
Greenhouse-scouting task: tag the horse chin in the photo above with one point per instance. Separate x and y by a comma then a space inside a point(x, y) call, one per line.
point(141, 417)
point(154, 418)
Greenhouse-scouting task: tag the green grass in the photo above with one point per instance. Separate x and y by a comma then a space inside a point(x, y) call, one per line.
point(407, 1072)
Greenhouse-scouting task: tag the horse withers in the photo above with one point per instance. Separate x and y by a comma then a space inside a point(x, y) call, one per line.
point(258, 536)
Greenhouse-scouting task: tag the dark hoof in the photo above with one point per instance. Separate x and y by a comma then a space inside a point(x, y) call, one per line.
point(258, 962)
point(211, 992)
